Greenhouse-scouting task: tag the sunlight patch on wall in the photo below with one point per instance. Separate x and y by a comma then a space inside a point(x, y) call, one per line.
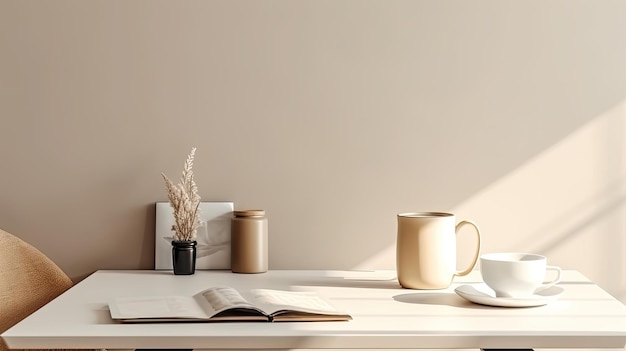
point(568, 203)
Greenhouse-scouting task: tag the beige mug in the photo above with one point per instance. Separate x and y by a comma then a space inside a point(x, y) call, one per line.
point(426, 249)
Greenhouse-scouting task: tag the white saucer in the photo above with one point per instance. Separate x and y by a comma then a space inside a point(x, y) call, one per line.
point(482, 294)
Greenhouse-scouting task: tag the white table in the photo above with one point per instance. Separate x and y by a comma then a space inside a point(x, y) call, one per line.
point(385, 316)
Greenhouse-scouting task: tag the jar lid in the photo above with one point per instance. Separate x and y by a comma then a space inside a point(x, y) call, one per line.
point(250, 213)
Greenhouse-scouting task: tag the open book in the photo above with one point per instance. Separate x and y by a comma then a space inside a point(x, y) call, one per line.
point(226, 304)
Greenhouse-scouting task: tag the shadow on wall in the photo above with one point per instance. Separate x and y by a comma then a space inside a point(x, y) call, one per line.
point(567, 203)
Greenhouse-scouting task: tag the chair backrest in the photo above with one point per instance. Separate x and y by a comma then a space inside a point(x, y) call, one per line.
point(28, 280)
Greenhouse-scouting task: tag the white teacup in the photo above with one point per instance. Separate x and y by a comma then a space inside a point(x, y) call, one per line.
point(512, 274)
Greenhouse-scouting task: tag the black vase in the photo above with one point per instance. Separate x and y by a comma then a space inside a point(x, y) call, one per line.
point(184, 257)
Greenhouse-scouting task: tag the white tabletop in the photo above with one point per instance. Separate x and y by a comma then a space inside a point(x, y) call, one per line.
point(385, 315)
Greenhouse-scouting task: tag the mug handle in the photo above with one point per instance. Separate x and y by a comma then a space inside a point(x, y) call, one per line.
point(552, 282)
point(473, 264)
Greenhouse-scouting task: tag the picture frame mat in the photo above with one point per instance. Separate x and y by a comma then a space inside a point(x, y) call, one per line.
point(213, 237)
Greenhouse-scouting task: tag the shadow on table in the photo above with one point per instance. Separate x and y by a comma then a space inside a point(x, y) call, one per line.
point(438, 299)
point(339, 282)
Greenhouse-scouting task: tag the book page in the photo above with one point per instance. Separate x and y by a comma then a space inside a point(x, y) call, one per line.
point(221, 299)
point(272, 301)
point(155, 307)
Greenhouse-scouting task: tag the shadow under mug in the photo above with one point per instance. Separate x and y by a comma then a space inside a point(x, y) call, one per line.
point(426, 249)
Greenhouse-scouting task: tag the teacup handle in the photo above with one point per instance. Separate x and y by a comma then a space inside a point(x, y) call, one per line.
point(473, 264)
point(553, 282)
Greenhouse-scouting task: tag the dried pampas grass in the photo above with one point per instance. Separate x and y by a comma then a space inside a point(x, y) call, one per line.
point(185, 201)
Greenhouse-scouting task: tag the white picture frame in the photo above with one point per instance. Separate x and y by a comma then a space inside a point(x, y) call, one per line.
point(213, 249)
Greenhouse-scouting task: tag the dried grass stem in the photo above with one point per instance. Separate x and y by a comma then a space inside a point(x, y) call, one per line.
point(185, 202)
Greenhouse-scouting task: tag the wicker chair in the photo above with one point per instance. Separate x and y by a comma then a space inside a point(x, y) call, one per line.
point(28, 280)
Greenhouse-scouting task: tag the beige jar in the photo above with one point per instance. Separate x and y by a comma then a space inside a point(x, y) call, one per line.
point(249, 246)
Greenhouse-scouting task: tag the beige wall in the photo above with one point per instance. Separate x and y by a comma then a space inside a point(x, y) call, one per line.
point(331, 115)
